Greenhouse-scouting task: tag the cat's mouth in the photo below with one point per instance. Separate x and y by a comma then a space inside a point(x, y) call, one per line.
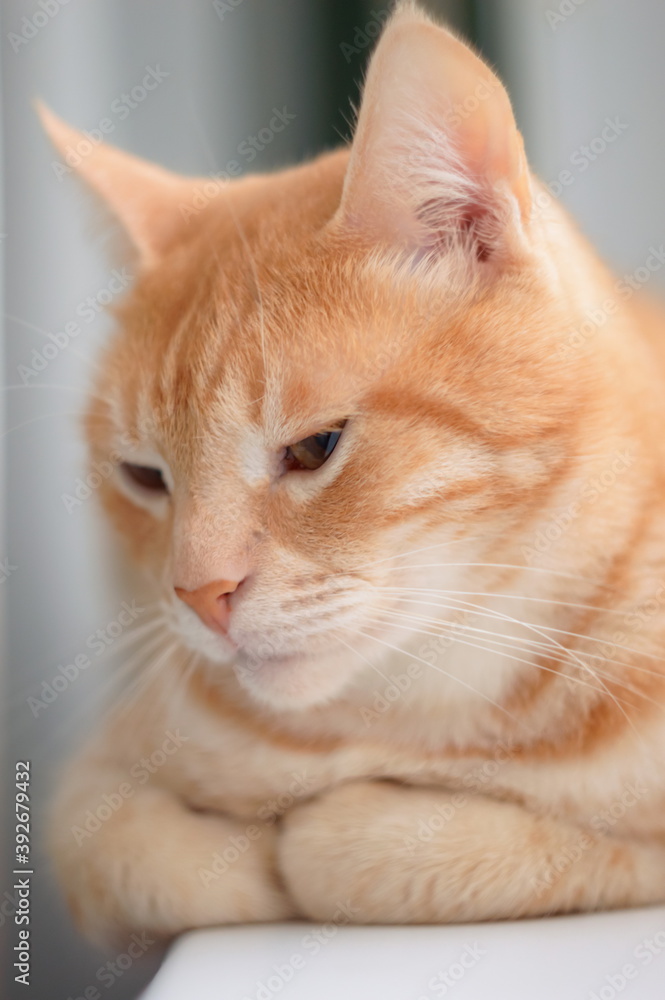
point(284, 671)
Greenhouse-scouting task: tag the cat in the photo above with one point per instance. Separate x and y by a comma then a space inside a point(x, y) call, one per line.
point(402, 511)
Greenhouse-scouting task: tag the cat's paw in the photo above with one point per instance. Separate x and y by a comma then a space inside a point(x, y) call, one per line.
point(399, 854)
point(358, 845)
point(158, 867)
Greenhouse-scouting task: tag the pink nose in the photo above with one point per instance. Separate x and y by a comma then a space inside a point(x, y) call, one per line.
point(211, 602)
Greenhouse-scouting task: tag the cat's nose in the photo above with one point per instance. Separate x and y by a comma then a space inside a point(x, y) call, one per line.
point(211, 602)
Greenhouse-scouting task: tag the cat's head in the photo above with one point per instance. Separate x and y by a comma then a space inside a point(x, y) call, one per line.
point(322, 373)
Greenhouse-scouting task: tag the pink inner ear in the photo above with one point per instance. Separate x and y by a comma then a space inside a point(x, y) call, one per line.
point(476, 225)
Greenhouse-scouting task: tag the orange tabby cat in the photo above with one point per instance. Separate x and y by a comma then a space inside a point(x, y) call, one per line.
point(403, 508)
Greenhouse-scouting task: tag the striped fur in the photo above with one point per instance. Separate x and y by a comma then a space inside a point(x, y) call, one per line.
point(443, 694)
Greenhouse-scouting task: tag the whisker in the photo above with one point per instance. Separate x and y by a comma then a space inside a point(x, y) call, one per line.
point(83, 390)
point(515, 597)
point(137, 662)
point(131, 638)
point(91, 707)
point(445, 673)
point(497, 652)
point(364, 658)
point(255, 274)
point(584, 666)
point(479, 609)
point(413, 552)
point(543, 649)
point(42, 416)
point(45, 333)
point(456, 626)
point(479, 565)
point(128, 699)
point(134, 635)
point(178, 691)
point(570, 652)
point(150, 643)
point(521, 639)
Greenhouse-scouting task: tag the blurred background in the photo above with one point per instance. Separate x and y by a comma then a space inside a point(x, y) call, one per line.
point(587, 80)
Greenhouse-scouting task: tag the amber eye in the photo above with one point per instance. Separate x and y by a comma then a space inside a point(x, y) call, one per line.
point(145, 477)
point(313, 451)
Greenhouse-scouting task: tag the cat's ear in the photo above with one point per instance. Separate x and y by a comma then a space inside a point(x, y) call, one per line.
point(145, 200)
point(436, 152)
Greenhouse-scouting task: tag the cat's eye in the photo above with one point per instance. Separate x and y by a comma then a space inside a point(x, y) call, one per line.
point(145, 476)
point(313, 451)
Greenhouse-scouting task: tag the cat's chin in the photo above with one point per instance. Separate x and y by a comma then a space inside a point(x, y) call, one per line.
point(296, 681)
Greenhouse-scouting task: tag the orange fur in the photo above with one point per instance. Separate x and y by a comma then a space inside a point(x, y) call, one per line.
point(408, 287)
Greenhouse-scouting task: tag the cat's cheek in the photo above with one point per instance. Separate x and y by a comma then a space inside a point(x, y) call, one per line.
point(297, 682)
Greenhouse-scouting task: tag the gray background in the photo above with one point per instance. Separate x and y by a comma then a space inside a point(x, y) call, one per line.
point(603, 60)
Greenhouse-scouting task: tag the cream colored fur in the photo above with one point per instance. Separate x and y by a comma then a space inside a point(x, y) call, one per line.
point(419, 712)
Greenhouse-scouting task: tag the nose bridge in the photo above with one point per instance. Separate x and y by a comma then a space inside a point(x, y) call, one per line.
point(211, 544)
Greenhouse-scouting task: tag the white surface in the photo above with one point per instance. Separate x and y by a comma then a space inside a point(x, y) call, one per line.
point(590, 957)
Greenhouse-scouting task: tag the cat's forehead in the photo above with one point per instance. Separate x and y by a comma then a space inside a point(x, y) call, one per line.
point(243, 374)
point(262, 345)
point(281, 348)
point(260, 328)
point(260, 378)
